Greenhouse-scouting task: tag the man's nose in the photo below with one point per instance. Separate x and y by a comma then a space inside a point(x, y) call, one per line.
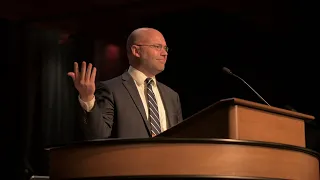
point(164, 52)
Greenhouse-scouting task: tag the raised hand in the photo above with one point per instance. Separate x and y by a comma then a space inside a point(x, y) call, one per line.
point(84, 81)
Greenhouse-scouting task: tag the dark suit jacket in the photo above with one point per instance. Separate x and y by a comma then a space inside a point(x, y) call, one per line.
point(119, 113)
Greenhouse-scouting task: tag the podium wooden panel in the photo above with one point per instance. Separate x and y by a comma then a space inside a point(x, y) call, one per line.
point(244, 120)
point(159, 158)
point(231, 139)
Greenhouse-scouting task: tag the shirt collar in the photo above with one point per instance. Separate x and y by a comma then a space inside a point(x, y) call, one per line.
point(139, 77)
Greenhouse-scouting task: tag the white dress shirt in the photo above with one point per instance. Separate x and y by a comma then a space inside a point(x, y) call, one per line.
point(139, 80)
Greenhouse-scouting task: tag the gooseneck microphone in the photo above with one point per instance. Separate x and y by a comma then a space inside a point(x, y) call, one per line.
point(228, 71)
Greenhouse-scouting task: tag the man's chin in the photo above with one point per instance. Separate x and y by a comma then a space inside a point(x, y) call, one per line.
point(159, 70)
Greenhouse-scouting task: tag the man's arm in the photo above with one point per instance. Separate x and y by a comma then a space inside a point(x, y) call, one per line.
point(180, 117)
point(97, 115)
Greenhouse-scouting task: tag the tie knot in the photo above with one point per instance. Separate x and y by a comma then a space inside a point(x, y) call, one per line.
point(149, 81)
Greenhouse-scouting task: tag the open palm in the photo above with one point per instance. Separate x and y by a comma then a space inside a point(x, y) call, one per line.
point(84, 81)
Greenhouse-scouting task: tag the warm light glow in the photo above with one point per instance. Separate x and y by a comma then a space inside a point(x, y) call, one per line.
point(112, 52)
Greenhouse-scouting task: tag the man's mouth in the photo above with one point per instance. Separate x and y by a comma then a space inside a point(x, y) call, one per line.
point(162, 60)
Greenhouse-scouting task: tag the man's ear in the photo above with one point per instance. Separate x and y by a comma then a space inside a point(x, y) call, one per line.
point(135, 50)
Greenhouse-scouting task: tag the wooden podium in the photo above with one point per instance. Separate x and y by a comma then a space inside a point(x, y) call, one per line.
point(231, 139)
point(244, 120)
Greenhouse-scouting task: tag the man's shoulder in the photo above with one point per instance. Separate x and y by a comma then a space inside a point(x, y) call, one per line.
point(113, 81)
point(110, 83)
point(167, 88)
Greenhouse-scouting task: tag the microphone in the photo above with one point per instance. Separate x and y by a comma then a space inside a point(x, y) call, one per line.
point(288, 107)
point(228, 71)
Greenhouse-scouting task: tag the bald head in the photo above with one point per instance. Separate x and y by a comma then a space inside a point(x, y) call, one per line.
point(147, 51)
point(141, 35)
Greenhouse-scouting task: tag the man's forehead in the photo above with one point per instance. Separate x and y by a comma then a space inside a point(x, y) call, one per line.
point(154, 38)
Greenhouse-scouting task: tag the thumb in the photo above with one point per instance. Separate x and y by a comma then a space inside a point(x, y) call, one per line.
point(72, 75)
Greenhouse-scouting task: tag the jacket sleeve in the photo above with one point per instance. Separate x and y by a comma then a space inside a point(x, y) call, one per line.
point(97, 123)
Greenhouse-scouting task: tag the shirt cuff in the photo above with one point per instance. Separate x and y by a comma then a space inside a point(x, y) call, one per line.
point(87, 106)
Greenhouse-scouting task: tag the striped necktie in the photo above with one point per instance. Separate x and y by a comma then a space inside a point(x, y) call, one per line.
point(153, 109)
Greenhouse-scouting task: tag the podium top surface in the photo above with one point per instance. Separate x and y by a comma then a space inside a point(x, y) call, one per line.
point(254, 105)
point(160, 140)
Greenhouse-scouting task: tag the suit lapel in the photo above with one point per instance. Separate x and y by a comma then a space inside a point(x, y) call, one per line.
point(133, 91)
point(167, 105)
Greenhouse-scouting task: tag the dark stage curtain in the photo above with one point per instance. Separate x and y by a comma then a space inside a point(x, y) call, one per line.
point(51, 99)
point(40, 101)
point(11, 152)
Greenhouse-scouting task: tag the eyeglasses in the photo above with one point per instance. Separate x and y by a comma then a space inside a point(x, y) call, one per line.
point(156, 46)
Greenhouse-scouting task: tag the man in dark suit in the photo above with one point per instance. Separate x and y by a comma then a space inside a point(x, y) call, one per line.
point(134, 104)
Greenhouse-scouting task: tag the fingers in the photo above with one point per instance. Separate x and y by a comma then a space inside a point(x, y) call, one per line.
point(93, 75)
point(83, 71)
point(72, 75)
point(88, 74)
point(76, 70)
